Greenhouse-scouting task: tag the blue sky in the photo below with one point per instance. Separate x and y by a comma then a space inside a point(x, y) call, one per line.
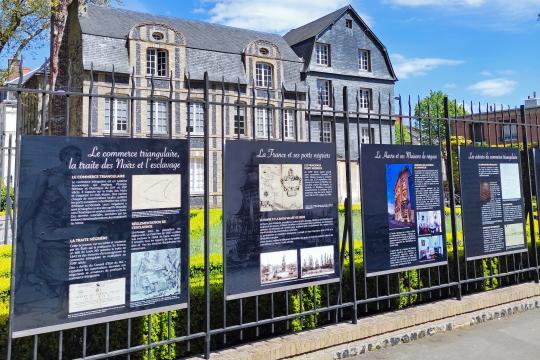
point(475, 50)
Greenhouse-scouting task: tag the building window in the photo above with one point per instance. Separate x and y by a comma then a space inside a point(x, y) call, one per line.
point(364, 60)
point(158, 114)
point(289, 124)
point(158, 36)
point(196, 175)
point(240, 120)
point(322, 52)
point(348, 23)
point(327, 132)
point(263, 74)
point(510, 132)
point(119, 115)
point(196, 118)
point(156, 62)
point(367, 136)
point(323, 92)
point(364, 99)
point(264, 120)
point(476, 132)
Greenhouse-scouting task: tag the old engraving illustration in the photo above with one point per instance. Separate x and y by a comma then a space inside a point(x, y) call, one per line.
point(281, 187)
point(156, 192)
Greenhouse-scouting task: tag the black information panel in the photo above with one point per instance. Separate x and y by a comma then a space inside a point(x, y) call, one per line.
point(102, 231)
point(402, 208)
point(281, 216)
point(492, 201)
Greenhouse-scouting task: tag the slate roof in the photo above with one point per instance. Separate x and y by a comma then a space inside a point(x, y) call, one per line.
point(211, 47)
point(314, 28)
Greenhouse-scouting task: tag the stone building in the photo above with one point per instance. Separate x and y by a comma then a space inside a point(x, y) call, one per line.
point(173, 54)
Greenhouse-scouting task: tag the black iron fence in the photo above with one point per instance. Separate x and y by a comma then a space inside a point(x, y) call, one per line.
point(211, 322)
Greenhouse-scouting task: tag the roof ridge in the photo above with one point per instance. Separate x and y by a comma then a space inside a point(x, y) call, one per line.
point(177, 18)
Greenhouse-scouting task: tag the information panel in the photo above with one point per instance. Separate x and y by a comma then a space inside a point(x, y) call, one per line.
point(281, 216)
point(492, 201)
point(402, 208)
point(102, 231)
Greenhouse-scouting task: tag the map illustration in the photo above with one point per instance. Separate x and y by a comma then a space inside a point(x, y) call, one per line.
point(155, 192)
point(281, 187)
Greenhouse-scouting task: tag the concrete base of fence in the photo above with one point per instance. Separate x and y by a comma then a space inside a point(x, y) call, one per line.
point(346, 340)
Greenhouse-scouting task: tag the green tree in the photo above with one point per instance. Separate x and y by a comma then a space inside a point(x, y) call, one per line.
point(429, 114)
point(22, 22)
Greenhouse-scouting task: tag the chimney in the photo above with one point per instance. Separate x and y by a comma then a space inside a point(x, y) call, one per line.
point(13, 68)
point(532, 101)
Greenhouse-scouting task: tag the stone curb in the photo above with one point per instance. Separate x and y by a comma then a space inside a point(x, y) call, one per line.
point(346, 340)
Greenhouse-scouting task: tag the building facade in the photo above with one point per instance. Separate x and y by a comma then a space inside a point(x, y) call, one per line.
point(121, 53)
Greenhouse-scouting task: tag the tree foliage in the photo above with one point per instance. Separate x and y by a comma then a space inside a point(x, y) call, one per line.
point(429, 113)
point(22, 22)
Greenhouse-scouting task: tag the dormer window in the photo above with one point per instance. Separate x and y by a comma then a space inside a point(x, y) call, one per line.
point(156, 62)
point(322, 52)
point(348, 23)
point(264, 51)
point(263, 75)
point(158, 36)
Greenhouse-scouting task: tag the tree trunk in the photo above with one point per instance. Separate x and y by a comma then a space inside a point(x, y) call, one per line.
point(58, 28)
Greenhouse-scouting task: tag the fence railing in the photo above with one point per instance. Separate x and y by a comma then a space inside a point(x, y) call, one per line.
point(229, 112)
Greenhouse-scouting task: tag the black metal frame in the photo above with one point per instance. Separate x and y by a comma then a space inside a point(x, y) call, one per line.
point(337, 302)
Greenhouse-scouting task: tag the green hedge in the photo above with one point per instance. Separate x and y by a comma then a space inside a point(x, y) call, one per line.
point(312, 297)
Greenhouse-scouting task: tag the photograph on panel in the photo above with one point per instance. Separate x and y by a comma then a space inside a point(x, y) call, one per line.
point(155, 274)
point(430, 248)
point(97, 295)
point(429, 222)
point(156, 191)
point(514, 235)
point(400, 195)
point(317, 261)
point(510, 181)
point(281, 187)
point(279, 266)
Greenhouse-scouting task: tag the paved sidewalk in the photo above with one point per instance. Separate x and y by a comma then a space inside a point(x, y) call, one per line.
point(515, 338)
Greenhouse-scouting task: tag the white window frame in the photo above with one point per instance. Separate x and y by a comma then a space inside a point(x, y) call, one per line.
point(324, 92)
point(364, 57)
point(264, 118)
point(322, 54)
point(157, 62)
point(326, 132)
point(289, 124)
point(264, 75)
point(196, 176)
point(120, 116)
point(366, 137)
point(160, 117)
point(364, 99)
point(196, 118)
point(347, 22)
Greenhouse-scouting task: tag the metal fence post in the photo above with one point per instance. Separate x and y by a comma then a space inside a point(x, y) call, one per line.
point(528, 190)
point(348, 208)
point(452, 193)
point(206, 218)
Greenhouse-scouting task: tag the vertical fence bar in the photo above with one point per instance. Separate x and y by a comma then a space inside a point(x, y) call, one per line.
point(528, 190)
point(452, 194)
point(206, 218)
point(349, 202)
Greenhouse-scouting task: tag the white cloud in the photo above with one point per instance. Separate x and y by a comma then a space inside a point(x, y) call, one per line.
point(277, 16)
point(437, 2)
point(494, 87)
point(495, 14)
point(450, 86)
point(408, 67)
